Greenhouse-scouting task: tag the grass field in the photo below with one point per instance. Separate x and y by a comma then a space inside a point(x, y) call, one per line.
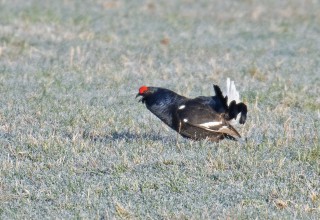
point(76, 144)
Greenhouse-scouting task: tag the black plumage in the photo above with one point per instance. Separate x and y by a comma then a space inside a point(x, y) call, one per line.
point(198, 118)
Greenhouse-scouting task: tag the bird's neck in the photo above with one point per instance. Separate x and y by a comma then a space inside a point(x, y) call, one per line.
point(164, 104)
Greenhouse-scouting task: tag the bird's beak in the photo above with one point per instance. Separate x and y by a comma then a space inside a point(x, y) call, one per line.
point(140, 100)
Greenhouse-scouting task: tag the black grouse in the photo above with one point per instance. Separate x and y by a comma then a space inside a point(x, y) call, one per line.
point(198, 118)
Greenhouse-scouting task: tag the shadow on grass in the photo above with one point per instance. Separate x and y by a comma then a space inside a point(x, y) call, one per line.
point(127, 136)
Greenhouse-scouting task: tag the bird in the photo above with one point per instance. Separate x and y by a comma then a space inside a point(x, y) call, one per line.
point(203, 117)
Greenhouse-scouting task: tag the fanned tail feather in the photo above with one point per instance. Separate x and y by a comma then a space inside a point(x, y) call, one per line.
point(233, 100)
point(235, 111)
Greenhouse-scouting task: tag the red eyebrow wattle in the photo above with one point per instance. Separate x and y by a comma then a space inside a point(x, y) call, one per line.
point(143, 89)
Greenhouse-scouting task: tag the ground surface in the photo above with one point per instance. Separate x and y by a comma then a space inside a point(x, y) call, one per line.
point(76, 144)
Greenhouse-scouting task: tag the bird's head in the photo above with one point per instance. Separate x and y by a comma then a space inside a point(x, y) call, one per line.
point(145, 92)
point(157, 96)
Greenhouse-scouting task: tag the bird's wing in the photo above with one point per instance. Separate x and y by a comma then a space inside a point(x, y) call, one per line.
point(204, 117)
point(225, 129)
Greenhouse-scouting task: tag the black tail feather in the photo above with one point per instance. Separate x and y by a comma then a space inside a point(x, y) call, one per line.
point(234, 109)
point(224, 100)
point(243, 109)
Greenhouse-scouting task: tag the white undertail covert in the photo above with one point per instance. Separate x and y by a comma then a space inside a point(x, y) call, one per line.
point(232, 94)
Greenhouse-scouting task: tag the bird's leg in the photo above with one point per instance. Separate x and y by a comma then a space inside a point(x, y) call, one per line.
point(177, 142)
point(179, 127)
